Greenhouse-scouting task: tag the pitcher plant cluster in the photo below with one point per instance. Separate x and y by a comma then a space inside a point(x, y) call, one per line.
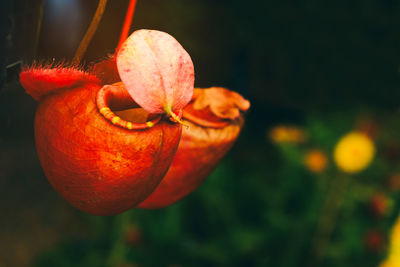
point(131, 131)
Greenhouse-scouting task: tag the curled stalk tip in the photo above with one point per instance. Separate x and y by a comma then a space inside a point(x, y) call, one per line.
point(169, 112)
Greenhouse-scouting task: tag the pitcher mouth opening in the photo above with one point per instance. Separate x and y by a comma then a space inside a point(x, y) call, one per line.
point(116, 105)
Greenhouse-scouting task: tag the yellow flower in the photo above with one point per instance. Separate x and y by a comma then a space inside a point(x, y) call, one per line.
point(316, 160)
point(390, 263)
point(282, 134)
point(393, 258)
point(354, 152)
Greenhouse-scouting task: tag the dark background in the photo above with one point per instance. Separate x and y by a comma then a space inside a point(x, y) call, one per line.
point(309, 63)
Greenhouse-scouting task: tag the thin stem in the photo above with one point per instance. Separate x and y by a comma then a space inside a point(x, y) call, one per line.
point(118, 250)
point(90, 32)
point(127, 23)
point(38, 29)
point(328, 218)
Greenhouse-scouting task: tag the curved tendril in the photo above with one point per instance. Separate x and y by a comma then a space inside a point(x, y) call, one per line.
point(38, 28)
point(127, 24)
point(90, 32)
point(169, 112)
